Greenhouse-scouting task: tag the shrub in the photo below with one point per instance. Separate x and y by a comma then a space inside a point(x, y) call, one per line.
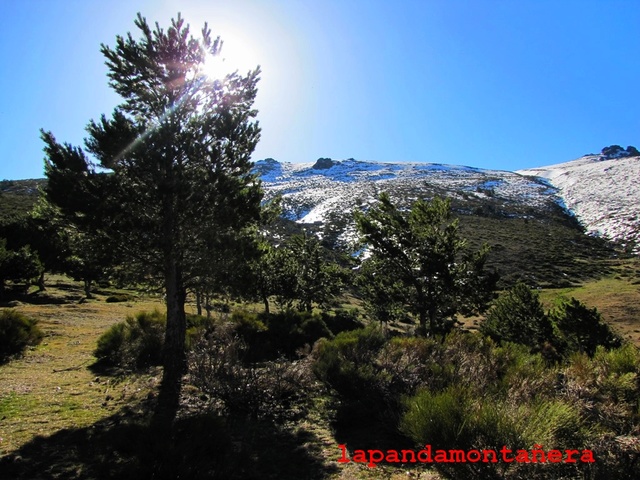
point(345, 361)
point(439, 418)
point(348, 365)
point(517, 316)
point(135, 344)
point(607, 387)
point(16, 333)
point(455, 419)
point(270, 336)
point(342, 320)
point(412, 363)
point(582, 328)
point(274, 390)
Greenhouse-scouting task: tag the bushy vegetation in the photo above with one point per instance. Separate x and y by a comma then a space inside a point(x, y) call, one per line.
point(518, 316)
point(135, 343)
point(466, 391)
point(17, 332)
point(275, 389)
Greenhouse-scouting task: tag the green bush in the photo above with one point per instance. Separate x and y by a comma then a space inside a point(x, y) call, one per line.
point(289, 331)
point(456, 419)
point(135, 344)
point(607, 388)
point(518, 316)
point(347, 364)
point(196, 326)
point(439, 418)
point(16, 333)
point(581, 328)
point(342, 320)
point(270, 336)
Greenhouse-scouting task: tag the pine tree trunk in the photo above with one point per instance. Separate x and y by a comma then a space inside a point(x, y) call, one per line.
point(174, 358)
point(41, 285)
point(87, 288)
point(423, 322)
point(199, 303)
point(265, 299)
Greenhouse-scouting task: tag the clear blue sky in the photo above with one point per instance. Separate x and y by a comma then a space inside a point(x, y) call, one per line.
point(495, 84)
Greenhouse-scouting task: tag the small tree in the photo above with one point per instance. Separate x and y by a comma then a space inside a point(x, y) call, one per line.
point(301, 273)
point(582, 328)
point(518, 316)
point(22, 265)
point(381, 290)
point(440, 276)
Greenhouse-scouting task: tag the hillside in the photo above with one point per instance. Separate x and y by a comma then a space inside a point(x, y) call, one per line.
point(17, 197)
point(535, 220)
point(533, 237)
point(602, 191)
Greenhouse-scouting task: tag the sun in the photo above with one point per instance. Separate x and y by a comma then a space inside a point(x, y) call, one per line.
point(235, 55)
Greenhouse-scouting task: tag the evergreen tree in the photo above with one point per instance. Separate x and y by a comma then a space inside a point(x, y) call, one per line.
point(582, 328)
point(302, 275)
point(440, 276)
point(177, 156)
point(381, 290)
point(518, 316)
point(22, 265)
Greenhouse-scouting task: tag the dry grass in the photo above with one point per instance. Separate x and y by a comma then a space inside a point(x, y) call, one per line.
point(51, 387)
point(50, 399)
point(617, 298)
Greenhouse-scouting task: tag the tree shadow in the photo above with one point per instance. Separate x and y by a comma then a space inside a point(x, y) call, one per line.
point(201, 446)
point(10, 298)
point(363, 424)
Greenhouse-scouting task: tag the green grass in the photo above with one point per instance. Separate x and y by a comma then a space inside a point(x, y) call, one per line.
point(616, 296)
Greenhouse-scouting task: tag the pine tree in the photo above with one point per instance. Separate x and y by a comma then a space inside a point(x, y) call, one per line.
point(582, 328)
point(177, 152)
point(518, 316)
point(440, 276)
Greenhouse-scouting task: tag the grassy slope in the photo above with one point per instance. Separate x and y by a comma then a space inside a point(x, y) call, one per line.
point(17, 197)
point(51, 388)
point(59, 419)
point(616, 296)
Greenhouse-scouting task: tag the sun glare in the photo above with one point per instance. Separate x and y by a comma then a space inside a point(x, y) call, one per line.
point(235, 55)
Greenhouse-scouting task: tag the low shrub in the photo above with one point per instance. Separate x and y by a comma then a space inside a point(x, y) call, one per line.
point(348, 365)
point(275, 390)
point(290, 331)
point(17, 332)
point(135, 344)
point(270, 336)
point(455, 419)
point(342, 320)
point(607, 388)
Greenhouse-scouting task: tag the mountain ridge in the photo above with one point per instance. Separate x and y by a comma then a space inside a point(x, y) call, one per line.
point(312, 191)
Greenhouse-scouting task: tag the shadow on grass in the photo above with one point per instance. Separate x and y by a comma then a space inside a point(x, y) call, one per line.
point(198, 447)
point(361, 426)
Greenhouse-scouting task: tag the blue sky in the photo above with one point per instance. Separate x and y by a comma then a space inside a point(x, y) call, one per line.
point(494, 84)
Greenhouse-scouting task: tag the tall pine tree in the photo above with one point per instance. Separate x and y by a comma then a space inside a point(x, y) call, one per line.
point(176, 154)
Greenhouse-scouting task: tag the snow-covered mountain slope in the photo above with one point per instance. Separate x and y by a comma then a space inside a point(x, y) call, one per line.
point(602, 192)
point(315, 192)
